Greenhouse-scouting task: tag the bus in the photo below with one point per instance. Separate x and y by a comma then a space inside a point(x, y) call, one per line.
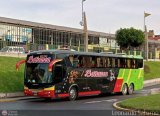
point(71, 74)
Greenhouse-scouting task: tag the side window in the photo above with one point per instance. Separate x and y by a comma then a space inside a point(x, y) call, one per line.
point(71, 59)
point(125, 63)
point(116, 62)
point(88, 61)
point(113, 62)
point(139, 63)
point(94, 62)
point(98, 62)
point(119, 63)
point(76, 61)
point(128, 63)
point(109, 62)
point(85, 61)
point(133, 63)
point(104, 62)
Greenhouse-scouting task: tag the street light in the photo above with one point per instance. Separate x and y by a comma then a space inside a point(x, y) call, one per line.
point(82, 21)
point(84, 24)
point(146, 35)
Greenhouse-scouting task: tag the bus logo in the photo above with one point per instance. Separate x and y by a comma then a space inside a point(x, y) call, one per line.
point(90, 73)
point(39, 59)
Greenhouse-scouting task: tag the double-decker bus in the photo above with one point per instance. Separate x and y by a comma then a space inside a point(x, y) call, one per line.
point(72, 74)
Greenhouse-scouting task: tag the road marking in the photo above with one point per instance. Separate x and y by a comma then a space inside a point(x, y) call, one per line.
point(111, 100)
point(91, 102)
point(108, 100)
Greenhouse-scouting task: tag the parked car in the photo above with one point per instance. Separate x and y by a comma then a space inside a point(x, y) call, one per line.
point(13, 49)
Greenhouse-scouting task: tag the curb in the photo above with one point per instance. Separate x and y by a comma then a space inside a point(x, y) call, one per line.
point(11, 95)
point(155, 91)
point(133, 111)
point(7, 100)
point(151, 82)
point(17, 98)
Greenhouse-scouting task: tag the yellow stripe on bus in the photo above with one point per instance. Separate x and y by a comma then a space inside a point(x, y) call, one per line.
point(123, 73)
point(139, 75)
point(129, 75)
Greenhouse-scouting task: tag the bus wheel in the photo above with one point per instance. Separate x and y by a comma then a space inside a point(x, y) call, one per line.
point(72, 94)
point(130, 89)
point(124, 89)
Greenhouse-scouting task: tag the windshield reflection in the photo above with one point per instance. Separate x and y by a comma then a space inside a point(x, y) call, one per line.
point(38, 73)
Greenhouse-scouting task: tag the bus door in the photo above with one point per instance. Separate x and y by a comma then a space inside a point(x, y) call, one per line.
point(59, 71)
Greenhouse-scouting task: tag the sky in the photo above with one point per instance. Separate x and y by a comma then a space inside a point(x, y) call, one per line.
point(102, 15)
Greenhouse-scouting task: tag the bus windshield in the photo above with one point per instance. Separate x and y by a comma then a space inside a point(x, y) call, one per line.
point(38, 73)
point(37, 69)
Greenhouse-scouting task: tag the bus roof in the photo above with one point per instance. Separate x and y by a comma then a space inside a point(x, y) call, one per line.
point(84, 53)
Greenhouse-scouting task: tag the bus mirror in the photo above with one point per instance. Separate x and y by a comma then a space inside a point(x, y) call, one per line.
point(19, 63)
point(50, 65)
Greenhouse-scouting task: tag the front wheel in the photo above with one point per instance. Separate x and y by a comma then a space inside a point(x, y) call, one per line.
point(72, 94)
point(124, 89)
point(130, 89)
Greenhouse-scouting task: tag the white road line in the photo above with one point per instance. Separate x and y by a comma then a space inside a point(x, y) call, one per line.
point(108, 100)
point(111, 100)
point(91, 102)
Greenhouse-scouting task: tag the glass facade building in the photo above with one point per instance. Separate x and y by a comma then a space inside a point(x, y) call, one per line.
point(38, 36)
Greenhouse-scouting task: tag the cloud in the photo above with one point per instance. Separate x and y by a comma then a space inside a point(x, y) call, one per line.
point(102, 15)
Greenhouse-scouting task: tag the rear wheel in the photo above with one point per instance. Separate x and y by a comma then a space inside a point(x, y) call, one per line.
point(130, 89)
point(72, 94)
point(124, 89)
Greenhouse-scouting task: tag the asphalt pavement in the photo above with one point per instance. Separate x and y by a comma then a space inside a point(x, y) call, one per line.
point(93, 105)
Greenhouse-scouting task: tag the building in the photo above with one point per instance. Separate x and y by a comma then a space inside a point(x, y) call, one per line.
point(153, 45)
point(39, 36)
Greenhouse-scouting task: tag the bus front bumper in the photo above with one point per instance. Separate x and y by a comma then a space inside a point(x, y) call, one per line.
point(47, 92)
point(41, 93)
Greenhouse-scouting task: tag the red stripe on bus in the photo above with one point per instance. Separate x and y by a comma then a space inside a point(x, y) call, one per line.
point(46, 93)
point(118, 85)
point(63, 95)
point(89, 93)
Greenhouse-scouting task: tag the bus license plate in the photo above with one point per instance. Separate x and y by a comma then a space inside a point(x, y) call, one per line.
point(35, 93)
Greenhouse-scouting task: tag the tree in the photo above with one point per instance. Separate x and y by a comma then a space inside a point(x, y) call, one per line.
point(129, 37)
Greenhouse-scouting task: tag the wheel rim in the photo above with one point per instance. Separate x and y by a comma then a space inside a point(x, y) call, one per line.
point(131, 89)
point(72, 93)
point(124, 89)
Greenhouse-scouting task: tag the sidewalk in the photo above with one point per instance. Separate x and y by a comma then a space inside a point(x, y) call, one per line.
point(151, 82)
point(10, 95)
point(21, 94)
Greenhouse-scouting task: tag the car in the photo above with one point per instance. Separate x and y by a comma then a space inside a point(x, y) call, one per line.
point(13, 49)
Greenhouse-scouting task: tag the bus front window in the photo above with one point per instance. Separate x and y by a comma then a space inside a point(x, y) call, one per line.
point(38, 73)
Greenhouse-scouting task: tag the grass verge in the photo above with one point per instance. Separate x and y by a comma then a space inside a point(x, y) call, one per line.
point(10, 79)
point(151, 70)
point(149, 103)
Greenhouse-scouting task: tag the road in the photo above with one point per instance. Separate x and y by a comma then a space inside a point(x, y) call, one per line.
point(94, 105)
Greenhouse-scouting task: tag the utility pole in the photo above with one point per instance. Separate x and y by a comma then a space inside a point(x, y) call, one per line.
point(146, 36)
point(85, 31)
